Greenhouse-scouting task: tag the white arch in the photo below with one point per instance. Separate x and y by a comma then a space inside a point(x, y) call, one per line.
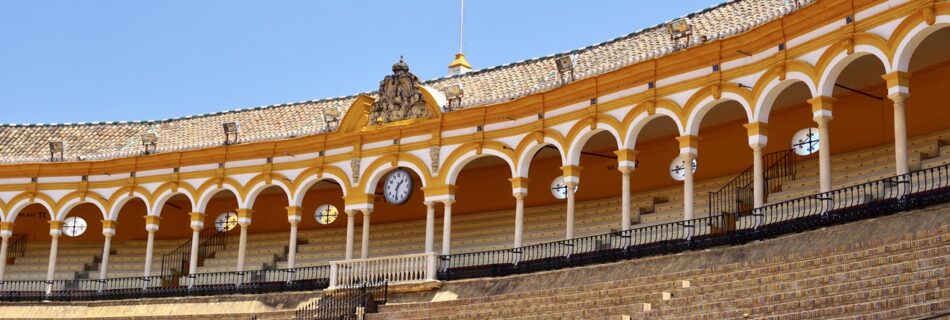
point(297, 197)
point(205, 197)
point(826, 83)
point(577, 146)
point(164, 196)
point(380, 171)
point(763, 106)
point(15, 208)
point(695, 118)
point(470, 156)
point(122, 200)
point(524, 159)
point(916, 35)
point(642, 120)
point(69, 205)
point(260, 186)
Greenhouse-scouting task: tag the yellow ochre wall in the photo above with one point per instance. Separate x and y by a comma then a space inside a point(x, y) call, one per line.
point(859, 122)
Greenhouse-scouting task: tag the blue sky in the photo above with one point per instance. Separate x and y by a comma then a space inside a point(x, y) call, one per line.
point(87, 61)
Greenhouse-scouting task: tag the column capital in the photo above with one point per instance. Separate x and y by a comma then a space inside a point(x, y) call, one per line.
point(6, 229)
point(358, 201)
point(519, 185)
point(758, 134)
point(626, 159)
point(689, 144)
point(821, 106)
point(571, 174)
point(898, 97)
point(55, 228)
point(367, 211)
point(151, 223)
point(108, 227)
point(439, 193)
point(197, 221)
point(244, 216)
point(897, 82)
point(447, 202)
point(293, 213)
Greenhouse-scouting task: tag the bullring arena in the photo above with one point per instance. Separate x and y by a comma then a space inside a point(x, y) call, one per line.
point(780, 159)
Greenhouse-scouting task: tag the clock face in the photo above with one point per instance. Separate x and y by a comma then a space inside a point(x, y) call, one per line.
point(398, 187)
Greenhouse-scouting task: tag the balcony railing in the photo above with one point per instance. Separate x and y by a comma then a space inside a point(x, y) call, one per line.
point(403, 269)
point(885, 196)
point(871, 199)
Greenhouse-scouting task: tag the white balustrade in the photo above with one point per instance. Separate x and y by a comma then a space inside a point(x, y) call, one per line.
point(404, 269)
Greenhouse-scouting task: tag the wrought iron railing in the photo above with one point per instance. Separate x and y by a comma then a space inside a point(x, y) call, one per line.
point(737, 194)
point(176, 262)
point(346, 303)
point(261, 281)
point(17, 247)
point(885, 196)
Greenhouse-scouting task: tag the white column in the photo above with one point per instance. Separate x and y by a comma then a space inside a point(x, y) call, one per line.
point(688, 194)
point(242, 247)
point(821, 108)
point(197, 223)
point(447, 227)
point(292, 250)
point(430, 226)
point(758, 177)
point(193, 255)
point(625, 216)
point(151, 225)
point(6, 232)
point(569, 233)
point(824, 153)
point(350, 230)
point(364, 248)
point(149, 249)
point(106, 248)
point(519, 218)
point(900, 132)
point(54, 232)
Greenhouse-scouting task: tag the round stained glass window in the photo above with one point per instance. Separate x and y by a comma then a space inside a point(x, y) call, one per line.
point(74, 226)
point(805, 141)
point(326, 214)
point(559, 188)
point(226, 221)
point(677, 168)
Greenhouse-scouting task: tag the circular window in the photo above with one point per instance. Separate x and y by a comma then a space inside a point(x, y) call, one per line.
point(677, 168)
point(559, 188)
point(74, 226)
point(805, 141)
point(326, 214)
point(226, 221)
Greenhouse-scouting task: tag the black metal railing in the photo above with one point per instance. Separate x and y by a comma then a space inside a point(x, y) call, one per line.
point(176, 262)
point(875, 198)
point(885, 196)
point(737, 194)
point(213, 283)
point(17, 247)
point(346, 303)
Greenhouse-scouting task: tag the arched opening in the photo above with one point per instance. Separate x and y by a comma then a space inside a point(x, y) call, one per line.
point(600, 183)
point(656, 195)
point(270, 213)
point(28, 248)
point(927, 109)
point(221, 216)
point(409, 201)
point(320, 242)
point(483, 178)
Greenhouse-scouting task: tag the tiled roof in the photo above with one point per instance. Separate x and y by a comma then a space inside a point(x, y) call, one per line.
point(92, 141)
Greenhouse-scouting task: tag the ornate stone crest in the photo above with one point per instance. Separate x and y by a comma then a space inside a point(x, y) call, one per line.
point(399, 97)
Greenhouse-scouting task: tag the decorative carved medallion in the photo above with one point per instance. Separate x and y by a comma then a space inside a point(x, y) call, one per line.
point(355, 167)
point(399, 97)
point(434, 158)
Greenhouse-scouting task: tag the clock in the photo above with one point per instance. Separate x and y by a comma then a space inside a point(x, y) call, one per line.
point(398, 187)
